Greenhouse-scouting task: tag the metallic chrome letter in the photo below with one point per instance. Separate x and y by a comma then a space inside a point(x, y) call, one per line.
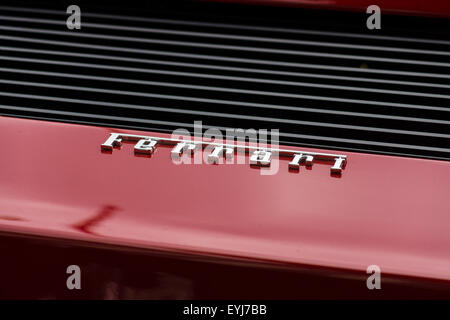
point(298, 157)
point(261, 158)
point(145, 146)
point(114, 140)
point(338, 164)
point(181, 147)
point(218, 152)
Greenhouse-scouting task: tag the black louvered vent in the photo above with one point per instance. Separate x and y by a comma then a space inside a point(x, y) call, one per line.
point(321, 87)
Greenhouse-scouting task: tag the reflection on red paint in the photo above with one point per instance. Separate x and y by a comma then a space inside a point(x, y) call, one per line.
point(87, 224)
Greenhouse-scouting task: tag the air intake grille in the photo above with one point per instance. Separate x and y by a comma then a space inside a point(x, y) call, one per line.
point(324, 88)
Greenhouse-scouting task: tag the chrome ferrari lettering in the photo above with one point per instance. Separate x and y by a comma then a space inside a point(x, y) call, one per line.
point(338, 164)
point(299, 157)
point(261, 157)
point(183, 147)
point(114, 140)
point(218, 152)
point(145, 146)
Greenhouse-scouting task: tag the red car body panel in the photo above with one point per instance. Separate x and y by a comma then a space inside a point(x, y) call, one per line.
point(412, 7)
point(389, 211)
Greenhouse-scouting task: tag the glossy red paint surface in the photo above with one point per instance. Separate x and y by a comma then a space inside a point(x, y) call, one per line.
point(390, 211)
point(414, 7)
